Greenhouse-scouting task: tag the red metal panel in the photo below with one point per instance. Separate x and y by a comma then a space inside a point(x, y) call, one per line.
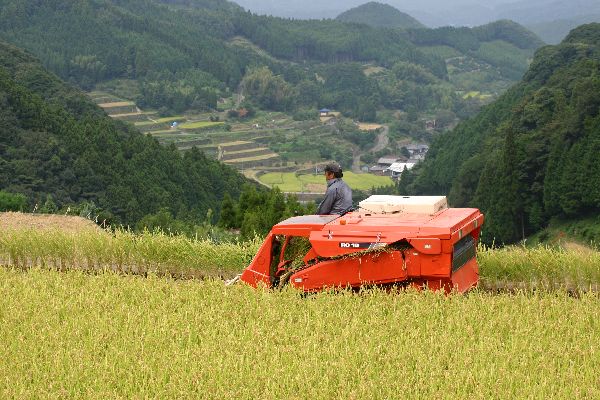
point(466, 276)
point(466, 227)
point(375, 268)
point(259, 269)
point(438, 266)
point(413, 263)
point(303, 225)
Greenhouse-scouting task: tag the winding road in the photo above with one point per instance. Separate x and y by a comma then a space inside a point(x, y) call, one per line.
point(381, 143)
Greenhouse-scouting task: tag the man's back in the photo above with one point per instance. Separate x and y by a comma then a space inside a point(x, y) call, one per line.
point(338, 198)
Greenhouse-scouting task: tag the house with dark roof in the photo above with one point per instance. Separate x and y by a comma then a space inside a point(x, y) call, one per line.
point(383, 164)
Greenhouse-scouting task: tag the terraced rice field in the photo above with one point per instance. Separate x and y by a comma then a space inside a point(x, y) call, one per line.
point(242, 159)
point(369, 127)
point(290, 182)
point(200, 124)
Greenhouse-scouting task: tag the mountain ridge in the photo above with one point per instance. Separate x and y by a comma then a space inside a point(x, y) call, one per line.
point(379, 15)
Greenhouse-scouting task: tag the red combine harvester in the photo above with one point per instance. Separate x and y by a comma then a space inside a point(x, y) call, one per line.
point(390, 240)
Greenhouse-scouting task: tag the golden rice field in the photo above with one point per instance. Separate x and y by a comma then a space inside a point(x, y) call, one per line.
point(180, 256)
point(123, 251)
point(73, 335)
point(113, 334)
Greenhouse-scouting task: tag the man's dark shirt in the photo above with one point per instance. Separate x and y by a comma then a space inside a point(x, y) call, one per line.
point(338, 198)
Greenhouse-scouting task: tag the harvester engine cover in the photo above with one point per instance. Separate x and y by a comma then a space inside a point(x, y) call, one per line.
point(389, 240)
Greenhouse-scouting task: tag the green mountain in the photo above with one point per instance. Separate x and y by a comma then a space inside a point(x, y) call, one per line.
point(504, 44)
point(185, 54)
point(204, 4)
point(533, 154)
point(58, 148)
point(379, 15)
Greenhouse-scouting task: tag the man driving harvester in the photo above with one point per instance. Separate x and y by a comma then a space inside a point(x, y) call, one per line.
point(338, 197)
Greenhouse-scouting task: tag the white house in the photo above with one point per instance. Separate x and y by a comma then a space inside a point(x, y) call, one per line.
point(397, 168)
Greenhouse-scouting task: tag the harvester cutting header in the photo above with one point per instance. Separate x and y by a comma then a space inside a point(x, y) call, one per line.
point(389, 240)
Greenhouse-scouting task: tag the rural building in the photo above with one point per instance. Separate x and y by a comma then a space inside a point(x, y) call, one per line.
point(386, 161)
point(430, 124)
point(417, 151)
point(328, 117)
point(383, 164)
point(396, 169)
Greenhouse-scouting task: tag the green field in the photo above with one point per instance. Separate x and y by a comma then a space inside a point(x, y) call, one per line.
point(476, 95)
point(290, 182)
point(249, 159)
point(71, 335)
point(200, 124)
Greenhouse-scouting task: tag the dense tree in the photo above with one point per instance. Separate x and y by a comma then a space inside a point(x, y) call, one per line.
point(12, 201)
point(184, 54)
point(58, 148)
point(258, 210)
point(533, 154)
point(269, 91)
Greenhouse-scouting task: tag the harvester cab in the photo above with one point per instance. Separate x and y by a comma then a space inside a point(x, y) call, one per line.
point(389, 240)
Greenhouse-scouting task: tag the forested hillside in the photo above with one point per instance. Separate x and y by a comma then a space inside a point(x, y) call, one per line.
point(185, 54)
point(58, 149)
point(475, 42)
point(533, 154)
point(379, 15)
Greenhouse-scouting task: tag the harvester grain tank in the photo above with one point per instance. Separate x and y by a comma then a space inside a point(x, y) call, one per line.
point(389, 240)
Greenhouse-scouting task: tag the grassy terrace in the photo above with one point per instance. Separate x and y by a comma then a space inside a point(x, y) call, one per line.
point(290, 182)
point(243, 159)
point(200, 124)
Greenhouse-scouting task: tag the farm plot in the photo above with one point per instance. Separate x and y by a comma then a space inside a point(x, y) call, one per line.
point(119, 107)
point(200, 125)
point(290, 182)
point(71, 335)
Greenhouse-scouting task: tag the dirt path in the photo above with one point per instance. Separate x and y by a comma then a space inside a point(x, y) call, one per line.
point(356, 161)
point(383, 140)
point(252, 174)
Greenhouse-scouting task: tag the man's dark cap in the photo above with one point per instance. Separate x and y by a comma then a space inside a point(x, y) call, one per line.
point(335, 169)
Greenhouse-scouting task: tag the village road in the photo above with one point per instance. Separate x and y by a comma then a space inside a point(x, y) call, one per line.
point(356, 161)
point(383, 140)
point(381, 143)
